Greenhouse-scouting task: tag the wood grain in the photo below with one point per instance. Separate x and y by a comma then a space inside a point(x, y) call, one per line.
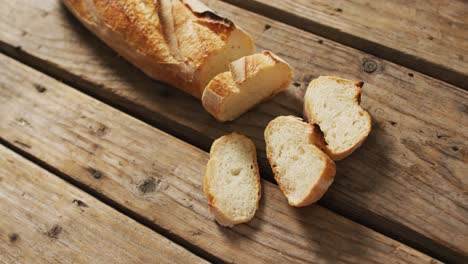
point(428, 36)
point(43, 219)
point(406, 181)
point(159, 178)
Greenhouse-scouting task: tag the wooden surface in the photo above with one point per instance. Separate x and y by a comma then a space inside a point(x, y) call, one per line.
point(46, 220)
point(159, 178)
point(408, 181)
point(407, 176)
point(429, 36)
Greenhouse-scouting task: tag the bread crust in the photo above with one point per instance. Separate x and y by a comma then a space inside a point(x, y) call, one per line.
point(147, 34)
point(224, 84)
point(215, 93)
point(220, 217)
point(310, 117)
point(325, 179)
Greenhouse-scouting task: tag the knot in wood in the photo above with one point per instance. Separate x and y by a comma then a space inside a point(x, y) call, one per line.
point(369, 66)
point(13, 237)
point(148, 185)
point(96, 173)
point(54, 231)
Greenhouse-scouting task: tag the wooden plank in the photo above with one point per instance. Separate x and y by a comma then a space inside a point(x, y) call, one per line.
point(159, 178)
point(428, 36)
point(406, 181)
point(46, 220)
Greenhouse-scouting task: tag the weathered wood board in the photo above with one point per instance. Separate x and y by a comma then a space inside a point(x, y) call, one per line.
point(407, 180)
point(428, 36)
point(44, 219)
point(159, 178)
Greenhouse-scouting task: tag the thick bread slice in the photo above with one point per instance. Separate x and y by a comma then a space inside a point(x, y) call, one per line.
point(180, 42)
point(251, 80)
point(333, 104)
point(232, 180)
point(302, 170)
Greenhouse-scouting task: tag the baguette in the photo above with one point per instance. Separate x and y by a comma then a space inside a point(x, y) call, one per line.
point(302, 170)
point(250, 80)
point(333, 104)
point(179, 42)
point(232, 180)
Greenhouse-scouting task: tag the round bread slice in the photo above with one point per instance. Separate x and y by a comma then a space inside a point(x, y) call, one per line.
point(302, 170)
point(333, 104)
point(232, 180)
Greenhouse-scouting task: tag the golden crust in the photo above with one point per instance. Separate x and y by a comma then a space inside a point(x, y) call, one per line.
point(222, 85)
point(357, 98)
point(215, 92)
point(79, 8)
point(248, 66)
point(219, 215)
point(226, 84)
point(139, 31)
point(325, 179)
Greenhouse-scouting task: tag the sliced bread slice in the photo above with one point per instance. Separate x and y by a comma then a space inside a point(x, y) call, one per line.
point(232, 180)
point(333, 104)
point(302, 170)
point(250, 80)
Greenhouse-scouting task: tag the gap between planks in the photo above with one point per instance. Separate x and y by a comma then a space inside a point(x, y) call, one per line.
point(283, 11)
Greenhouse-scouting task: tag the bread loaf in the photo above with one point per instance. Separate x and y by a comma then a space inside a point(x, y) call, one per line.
point(333, 104)
point(302, 170)
point(232, 180)
point(179, 42)
point(249, 81)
